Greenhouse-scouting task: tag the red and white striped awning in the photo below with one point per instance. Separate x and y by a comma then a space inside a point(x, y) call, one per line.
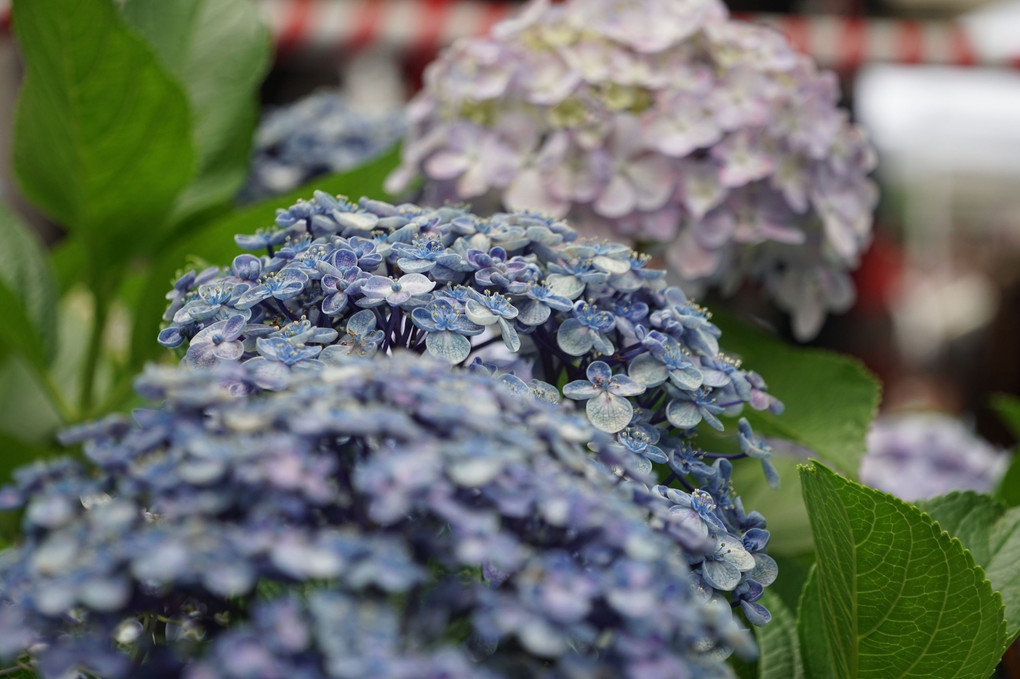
point(318, 27)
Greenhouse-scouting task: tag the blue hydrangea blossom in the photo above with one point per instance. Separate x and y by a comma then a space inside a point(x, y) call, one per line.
point(518, 296)
point(920, 455)
point(319, 134)
point(387, 517)
point(667, 123)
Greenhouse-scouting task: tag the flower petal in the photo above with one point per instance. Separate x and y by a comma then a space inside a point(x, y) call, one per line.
point(609, 413)
point(416, 284)
point(683, 414)
point(574, 338)
point(599, 370)
point(448, 346)
point(580, 390)
point(648, 370)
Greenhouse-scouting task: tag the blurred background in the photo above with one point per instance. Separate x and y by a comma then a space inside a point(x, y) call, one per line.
point(936, 83)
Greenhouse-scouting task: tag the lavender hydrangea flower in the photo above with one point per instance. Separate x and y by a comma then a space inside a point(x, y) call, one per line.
point(604, 394)
point(562, 304)
point(520, 298)
point(920, 455)
point(385, 517)
point(319, 134)
point(667, 123)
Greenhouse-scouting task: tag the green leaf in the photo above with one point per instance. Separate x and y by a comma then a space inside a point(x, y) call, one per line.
point(1008, 409)
point(27, 411)
point(743, 669)
point(830, 399)
point(795, 572)
point(783, 507)
point(814, 646)
point(28, 295)
point(219, 50)
point(102, 131)
point(215, 242)
point(992, 534)
point(898, 596)
point(17, 453)
point(778, 642)
point(1008, 492)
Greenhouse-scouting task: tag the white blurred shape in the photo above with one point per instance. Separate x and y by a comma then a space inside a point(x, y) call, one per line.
point(942, 118)
point(994, 30)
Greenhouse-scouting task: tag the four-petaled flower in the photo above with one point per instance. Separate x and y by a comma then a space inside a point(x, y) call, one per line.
point(217, 341)
point(695, 511)
point(338, 285)
point(282, 285)
point(605, 393)
point(379, 289)
point(490, 309)
point(362, 339)
point(540, 305)
point(688, 408)
point(586, 330)
point(277, 357)
point(448, 330)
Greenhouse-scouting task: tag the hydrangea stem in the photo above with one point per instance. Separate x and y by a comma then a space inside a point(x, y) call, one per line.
point(93, 349)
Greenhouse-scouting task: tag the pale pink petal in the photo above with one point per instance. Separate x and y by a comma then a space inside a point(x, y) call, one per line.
point(527, 192)
point(654, 180)
point(473, 182)
point(626, 139)
point(702, 189)
point(617, 200)
point(715, 230)
point(691, 259)
point(661, 225)
point(447, 164)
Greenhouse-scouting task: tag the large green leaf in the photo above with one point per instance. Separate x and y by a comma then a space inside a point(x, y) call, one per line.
point(102, 132)
point(28, 295)
point(1008, 409)
point(214, 243)
point(898, 596)
point(992, 534)
point(1008, 492)
point(815, 653)
point(830, 399)
point(219, 51)
point(18, 453)
point(778, 642)
point(783, 507)
point(27, 411)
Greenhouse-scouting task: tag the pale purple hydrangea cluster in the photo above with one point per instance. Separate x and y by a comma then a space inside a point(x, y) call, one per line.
point(388, 518)
point(664, 122)
point(319, 134)
point(922, 455)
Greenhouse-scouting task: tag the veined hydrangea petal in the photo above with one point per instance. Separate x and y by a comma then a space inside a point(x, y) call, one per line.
point(574, 338)
point(608, 412)
point(721, 575)
point(646, 369)
point(683, 414)
point(448, 346)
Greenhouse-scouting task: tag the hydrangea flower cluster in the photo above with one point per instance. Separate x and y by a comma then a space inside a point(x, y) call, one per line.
point(317, 135)
point(520, 291)
point(921, 455)
point(663, 122)
point(515, 294)
point(385, 518)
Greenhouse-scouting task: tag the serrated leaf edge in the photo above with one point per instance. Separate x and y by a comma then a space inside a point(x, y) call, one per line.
point(1008, 639)
point(977, 569)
